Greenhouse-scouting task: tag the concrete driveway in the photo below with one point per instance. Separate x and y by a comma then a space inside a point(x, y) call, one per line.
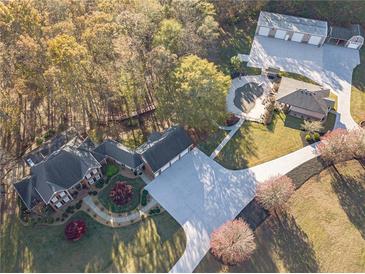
point(330, 66)
point(202, 195)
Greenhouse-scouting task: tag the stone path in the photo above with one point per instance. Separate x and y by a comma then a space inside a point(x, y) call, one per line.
point(122, 220)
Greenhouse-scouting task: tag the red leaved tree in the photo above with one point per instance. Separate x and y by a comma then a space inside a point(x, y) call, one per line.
point(356, 143)
point(334, 146)
point(74, 230)
point(233, 242)
point(273, 193)
point(121, 193)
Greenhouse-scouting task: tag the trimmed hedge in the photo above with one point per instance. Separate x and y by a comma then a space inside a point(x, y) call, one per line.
point(144, 197)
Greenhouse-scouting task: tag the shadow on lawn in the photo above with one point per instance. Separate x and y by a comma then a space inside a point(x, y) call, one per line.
point(241, 146)
point(351, 195)
point(293, 245)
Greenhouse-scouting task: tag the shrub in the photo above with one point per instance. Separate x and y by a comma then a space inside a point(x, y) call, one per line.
point(50, 220)
point(64, 215)
point(70, 209)
point(78, 205)
point(111, 170)
point(316, 136)
point(39, 141)
point(144, 197)
point(233, 242)
point(95, 193)
point(57, 219)
point(75, 230)
point(308, 137)
point(121, 193)
point(99, 184)
point(49, 133)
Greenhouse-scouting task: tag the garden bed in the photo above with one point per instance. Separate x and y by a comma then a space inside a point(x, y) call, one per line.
point(108, 203)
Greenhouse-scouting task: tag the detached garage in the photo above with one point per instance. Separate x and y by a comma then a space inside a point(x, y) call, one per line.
point(296, 29)
point(351, 37)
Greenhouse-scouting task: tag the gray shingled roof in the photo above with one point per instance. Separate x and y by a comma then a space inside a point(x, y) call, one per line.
point(346, 33)
point(27, 192)
point(118, 152)
point(60, 171)
point(293, 23)
point(170, 144)
point(303, 95)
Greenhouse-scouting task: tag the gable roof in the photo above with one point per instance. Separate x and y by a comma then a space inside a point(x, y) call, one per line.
point(61, 170)
point(293, 23)
point(303, 95)
point(118, 152)
point(160, 151)
point(27, 192)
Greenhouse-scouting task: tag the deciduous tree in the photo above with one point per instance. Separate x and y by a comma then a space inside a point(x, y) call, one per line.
point(273, 193)
point(233, 242)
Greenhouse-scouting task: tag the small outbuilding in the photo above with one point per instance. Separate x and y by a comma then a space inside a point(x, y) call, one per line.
point(351, 37)
point(292, 28)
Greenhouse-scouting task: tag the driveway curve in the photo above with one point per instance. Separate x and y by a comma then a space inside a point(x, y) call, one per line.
point(201, 194)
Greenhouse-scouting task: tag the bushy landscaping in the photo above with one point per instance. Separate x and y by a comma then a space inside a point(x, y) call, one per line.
point(107, 201)
point(111, 170)
point(153, 245)
point(325, 218)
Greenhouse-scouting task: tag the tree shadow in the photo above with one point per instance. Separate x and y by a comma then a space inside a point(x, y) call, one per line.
point(241, 146)
point(293, 245)
point(351, 195)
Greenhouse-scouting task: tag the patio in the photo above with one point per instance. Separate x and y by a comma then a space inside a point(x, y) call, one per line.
point(246, 95)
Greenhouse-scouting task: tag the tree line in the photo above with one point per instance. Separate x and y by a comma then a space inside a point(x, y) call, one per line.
point(75, 63)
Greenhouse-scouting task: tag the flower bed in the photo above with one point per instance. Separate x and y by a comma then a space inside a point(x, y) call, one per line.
point(107, 201)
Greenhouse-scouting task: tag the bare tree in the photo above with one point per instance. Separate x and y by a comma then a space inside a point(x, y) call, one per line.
point(273, 193)
point(233, 242)
point(356, 143)
point(312, 126)
point(334, 147)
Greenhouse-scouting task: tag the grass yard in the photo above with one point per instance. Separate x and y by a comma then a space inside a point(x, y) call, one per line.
point(323, 231)
point(358, 90)
point(104, 199)
point(151, 246)
point(212, 141)
point(256, 143)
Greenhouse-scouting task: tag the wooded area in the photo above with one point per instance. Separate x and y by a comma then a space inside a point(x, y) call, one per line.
point(91, 64)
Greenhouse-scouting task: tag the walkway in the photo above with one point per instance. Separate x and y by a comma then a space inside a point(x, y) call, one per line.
point(119, 221)
point(227, 138)
point(330, 66)
point(201, 195)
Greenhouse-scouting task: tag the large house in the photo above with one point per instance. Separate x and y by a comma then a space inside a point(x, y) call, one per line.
point(308, 31)
point(54, 180)
point(304, 100)
point(77, 164)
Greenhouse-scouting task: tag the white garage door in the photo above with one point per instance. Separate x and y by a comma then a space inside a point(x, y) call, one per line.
point(353, 45)
point(297, 37)
point(264, 31)
point(315, 40)
point(280, 34)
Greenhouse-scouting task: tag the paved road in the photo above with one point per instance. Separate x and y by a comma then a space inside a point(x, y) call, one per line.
point(201, 195)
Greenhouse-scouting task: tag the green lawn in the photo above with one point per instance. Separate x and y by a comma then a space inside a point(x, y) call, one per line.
point(152, 246)
point(358, 90)
point(297, 77)
point(296, 123)
point(323, 231)
point(211, 142)
point(256, 143)
point(104, 199)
